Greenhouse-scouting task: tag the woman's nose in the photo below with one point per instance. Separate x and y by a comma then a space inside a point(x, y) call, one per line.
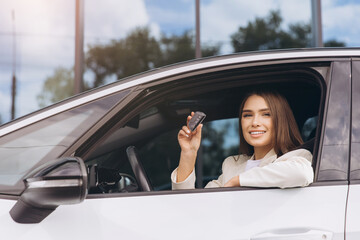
point(255, 121)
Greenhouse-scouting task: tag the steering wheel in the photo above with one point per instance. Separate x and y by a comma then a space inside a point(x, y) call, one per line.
point(138, 169)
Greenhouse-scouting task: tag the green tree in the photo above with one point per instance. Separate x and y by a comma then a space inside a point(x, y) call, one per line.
point(57, 87)
point(182, 48)
point(138, 52)
point(266, 33)
point(334, 43)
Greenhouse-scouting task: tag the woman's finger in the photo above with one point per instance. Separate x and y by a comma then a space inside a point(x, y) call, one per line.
point(183, 133)
point(186, 129)
point(189, 117)
point(197, 130)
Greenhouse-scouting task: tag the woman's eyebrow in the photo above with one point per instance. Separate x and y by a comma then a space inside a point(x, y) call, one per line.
point(260, 110)
point(246, 110)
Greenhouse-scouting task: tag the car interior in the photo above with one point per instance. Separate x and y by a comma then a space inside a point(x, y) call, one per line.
point(141, 154)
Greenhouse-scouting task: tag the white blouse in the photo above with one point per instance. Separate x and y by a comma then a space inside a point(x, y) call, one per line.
point(252, 163)
point(293, 169)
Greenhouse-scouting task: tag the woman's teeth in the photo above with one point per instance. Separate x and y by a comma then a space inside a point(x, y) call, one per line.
point(259, 132)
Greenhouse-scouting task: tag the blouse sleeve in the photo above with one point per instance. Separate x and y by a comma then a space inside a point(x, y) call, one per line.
point(188, 183)
point(292, 169)
point(228, 166)
point(215, 183)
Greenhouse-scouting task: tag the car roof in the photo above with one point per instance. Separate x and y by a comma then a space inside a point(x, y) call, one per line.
point(318, 54)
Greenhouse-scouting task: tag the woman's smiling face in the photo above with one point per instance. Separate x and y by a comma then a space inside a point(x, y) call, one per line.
point(257, 124)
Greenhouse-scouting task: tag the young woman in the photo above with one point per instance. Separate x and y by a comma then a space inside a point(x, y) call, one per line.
point(268, 137)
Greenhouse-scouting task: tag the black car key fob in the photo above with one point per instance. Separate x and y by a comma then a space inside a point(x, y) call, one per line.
point(196, 120)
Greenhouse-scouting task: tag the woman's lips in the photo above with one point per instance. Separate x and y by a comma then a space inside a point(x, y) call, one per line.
point(256, 133)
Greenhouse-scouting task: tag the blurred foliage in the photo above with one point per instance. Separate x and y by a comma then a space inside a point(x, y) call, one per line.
point(267, 33)
point(213, 138)
point(334, 43)
point(182, 48)
point(136, 53)
point(139, 52)
point(57, 87)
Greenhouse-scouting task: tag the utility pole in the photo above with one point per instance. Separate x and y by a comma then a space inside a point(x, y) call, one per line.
point(197, 42)
point(316, 25)
point(13, 81)
point(79, 46)
point(199, 158)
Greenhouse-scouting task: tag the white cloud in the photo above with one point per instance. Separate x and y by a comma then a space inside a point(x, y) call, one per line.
point(294, 11)
point(341, 23)
point(26, 101)
point(173, 16)
point(155, 30)
point(45, 39)
point(47, 28)
point(113, 19)
point(44, 32)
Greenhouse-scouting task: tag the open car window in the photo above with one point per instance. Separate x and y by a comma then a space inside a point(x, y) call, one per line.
point(153, 131)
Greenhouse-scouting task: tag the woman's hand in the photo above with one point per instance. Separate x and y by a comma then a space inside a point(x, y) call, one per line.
point(189, 143)
point(233, 182)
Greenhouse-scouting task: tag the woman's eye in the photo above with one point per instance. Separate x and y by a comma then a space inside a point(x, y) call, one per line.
point(267, 114)
point(246, 115)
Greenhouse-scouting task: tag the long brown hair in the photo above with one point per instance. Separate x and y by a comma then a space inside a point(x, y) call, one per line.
point(287, 136)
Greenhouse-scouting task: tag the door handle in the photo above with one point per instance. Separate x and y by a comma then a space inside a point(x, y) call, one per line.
point(294, 234)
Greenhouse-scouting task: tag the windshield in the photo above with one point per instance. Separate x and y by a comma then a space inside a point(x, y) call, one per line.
point(23, 150)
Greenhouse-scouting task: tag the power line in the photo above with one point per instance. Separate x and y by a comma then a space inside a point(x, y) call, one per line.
point(70, 37)
point(30, 65)
point(27, 34)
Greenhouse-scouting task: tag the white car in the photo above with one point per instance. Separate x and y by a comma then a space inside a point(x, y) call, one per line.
point(98, 165)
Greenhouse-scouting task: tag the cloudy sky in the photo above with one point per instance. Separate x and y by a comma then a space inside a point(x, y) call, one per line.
point(45, 31)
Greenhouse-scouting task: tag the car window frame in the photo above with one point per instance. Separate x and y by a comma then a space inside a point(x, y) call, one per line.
point(151, 89)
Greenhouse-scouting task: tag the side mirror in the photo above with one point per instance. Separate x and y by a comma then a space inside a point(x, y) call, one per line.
point(63, 181)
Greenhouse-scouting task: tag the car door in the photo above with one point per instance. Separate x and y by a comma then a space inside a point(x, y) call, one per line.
point(315, 212)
